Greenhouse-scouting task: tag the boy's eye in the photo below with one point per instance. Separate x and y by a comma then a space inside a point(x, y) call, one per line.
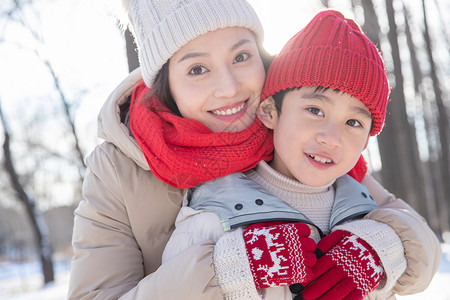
point(315, 111)
point(241, 57)
point(354, 123)
point(197, 70)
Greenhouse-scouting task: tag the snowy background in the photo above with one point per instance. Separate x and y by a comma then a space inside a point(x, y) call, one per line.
point(70, 28)
point(22, 281)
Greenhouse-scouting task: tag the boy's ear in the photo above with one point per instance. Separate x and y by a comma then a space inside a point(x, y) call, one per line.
point(267, 112)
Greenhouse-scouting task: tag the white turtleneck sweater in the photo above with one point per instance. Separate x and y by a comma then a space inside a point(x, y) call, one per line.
point(314, 202)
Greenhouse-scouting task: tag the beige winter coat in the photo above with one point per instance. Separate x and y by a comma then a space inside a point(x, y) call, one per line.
point(127, 215)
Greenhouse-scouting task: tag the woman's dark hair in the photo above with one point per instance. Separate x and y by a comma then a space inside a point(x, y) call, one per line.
point(161, 90)
point(266, 57)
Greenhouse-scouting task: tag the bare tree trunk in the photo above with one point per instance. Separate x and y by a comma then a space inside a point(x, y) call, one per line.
point(371, 25)
point(433, 163)
point(433, 184)
point(427, 204)
point(387, 175)
point(443, 122)
point(398, 146)
point(133, 61)
point(65, 103)
point(27, 199)
point(70, 121)
point(389, 140)
point(442, 24)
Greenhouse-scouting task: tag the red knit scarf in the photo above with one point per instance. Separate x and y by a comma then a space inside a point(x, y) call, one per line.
point(183, 152)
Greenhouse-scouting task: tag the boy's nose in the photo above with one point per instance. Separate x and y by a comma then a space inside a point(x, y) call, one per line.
point(329, 135)
point(227, 84)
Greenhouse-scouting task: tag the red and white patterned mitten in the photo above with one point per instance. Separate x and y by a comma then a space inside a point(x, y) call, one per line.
point(279, 253)
point(349, 269)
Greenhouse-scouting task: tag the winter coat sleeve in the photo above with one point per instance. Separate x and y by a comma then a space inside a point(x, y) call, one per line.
point(188, 275)
point(192, 227)
point(108, 262)
point(421, 246)
point(386, 243)
point(232, 268)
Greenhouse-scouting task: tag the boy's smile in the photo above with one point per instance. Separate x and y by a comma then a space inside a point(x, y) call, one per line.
point(319, 159)
point(318, 135)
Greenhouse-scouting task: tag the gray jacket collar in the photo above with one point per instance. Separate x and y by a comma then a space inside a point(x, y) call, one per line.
point(238, 200)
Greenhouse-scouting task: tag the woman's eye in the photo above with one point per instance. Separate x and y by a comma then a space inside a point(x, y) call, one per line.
point(197, 70)
point(241, 57)
point(354, 123)
point(315, 111)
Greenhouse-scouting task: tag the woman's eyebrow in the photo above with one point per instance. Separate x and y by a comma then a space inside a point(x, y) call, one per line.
point(191, 55)
point(199, 54)
point(239, 44)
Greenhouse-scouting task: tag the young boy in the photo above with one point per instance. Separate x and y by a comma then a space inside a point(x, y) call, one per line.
point(326, 93)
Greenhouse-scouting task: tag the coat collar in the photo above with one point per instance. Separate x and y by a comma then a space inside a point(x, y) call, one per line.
point(238, 200)
point(110, 127)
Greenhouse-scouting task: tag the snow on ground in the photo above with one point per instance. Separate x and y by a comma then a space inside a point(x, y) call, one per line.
point(21, 281)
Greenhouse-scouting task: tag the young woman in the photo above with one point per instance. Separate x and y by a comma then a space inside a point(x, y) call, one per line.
point(128, 212)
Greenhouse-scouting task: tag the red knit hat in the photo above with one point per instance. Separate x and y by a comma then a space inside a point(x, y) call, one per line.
point(332, 51)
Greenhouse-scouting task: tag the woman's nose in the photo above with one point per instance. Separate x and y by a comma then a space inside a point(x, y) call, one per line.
point(227, 84)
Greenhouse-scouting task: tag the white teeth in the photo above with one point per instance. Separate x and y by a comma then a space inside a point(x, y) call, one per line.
point(320, 159)
point(229, 111)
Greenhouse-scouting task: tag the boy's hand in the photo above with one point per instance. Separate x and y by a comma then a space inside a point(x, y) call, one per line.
point(279, 254)
point(349, 269)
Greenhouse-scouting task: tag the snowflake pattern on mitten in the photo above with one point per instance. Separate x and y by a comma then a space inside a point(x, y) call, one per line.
point(280, 254)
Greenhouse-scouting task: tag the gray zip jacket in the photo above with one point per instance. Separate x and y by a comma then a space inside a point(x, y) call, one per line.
point(238, 200)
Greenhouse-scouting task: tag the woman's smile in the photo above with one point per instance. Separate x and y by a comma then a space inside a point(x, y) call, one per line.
point(230, 110)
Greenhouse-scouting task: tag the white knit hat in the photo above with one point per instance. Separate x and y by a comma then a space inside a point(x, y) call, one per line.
point(162, 27)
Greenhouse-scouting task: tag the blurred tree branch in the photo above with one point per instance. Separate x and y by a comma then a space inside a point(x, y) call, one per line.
point(27, 199)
